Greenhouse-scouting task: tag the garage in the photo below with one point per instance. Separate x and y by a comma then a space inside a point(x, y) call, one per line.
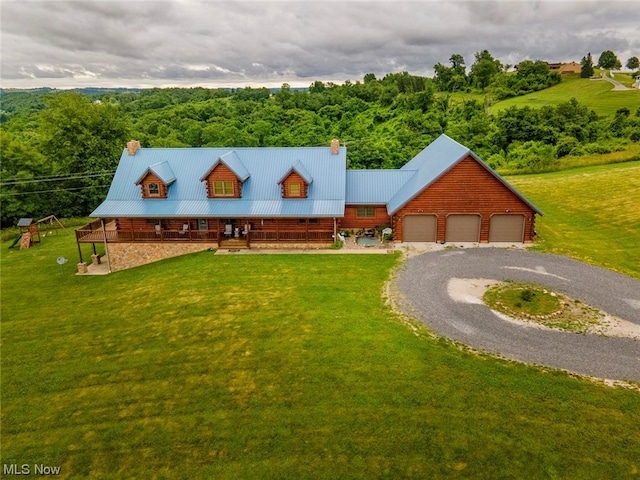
point(463, 228)
point(419, 228)
point(506, 228)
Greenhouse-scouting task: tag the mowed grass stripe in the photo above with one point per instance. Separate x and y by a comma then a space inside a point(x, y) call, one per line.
point(283, 366)
point(591, 214)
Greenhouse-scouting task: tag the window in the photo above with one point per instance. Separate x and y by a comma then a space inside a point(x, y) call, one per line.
point(294, 189)
point(366, 212)
point(153, 189)
point(313, 220)
point(223, 189)
point(203, 224)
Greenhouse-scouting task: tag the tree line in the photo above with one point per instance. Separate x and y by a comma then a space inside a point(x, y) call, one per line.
point(60, 150)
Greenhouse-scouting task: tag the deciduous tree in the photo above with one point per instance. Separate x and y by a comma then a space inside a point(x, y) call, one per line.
point(608, 60)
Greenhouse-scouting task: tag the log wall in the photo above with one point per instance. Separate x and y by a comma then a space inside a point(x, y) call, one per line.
point(468, 187)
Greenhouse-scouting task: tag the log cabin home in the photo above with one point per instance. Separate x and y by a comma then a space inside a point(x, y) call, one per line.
point(167, 201)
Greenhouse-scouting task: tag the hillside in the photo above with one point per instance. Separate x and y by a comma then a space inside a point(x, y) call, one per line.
point(59, 149)
point(250, 375)
point(597, 95)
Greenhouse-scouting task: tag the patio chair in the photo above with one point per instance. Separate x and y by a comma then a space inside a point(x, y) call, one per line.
point(228, 230)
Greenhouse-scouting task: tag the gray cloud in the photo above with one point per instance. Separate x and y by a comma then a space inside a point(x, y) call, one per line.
point(65, 43)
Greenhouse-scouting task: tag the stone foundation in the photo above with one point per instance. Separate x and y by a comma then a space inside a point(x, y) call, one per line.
point(129, 255)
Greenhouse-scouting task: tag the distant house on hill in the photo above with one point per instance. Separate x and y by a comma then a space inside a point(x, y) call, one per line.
point(562, 68)
point(167, 201)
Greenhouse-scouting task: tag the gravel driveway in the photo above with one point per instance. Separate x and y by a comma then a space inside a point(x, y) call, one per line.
point(423, 284)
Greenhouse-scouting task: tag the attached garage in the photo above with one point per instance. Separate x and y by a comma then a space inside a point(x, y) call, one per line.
point(506, 228)
point(419, 228)
point(463, 228)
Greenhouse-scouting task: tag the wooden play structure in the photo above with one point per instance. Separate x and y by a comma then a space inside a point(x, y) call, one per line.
point(30, 230)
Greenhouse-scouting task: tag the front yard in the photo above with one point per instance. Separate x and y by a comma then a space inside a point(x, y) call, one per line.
point(275, 366)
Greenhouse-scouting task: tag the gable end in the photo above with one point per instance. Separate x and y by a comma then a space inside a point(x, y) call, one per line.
point(221, 181)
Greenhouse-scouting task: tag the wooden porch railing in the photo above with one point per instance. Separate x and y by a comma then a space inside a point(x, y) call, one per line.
point(273, 236)
point(93, 233)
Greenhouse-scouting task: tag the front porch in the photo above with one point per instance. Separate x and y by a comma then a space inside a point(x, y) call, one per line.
point(224, 234)
point(132, 242)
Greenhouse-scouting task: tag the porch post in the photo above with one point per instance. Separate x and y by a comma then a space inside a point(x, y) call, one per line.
point(79, 249)
point(335, 230)
point(106, 249)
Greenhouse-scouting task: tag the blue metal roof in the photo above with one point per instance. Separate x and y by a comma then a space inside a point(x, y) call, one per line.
point(374, 187)
point(299, 168)
point(261, 194)
point(431, 163)
point(262, 170)
point(162, 171)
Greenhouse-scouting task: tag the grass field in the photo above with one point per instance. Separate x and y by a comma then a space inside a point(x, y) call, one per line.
point(591, 213)
point(293, 366)
point(598, 95)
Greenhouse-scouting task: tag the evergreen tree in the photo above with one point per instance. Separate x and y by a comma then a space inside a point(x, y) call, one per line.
point(587, 66)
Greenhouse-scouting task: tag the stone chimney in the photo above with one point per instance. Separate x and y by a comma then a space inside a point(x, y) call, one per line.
point(133, 146)
point(335, 146)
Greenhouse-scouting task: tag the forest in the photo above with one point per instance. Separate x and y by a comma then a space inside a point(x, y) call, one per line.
point(59, 149)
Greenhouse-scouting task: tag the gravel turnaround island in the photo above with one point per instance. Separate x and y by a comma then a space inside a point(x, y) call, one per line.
point(425, 287)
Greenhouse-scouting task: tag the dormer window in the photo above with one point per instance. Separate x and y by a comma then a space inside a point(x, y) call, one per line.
point(294, 189)
point(226, 177)
point(156, 180)
point(223, 188)
point(153, 189)
point(295, 182)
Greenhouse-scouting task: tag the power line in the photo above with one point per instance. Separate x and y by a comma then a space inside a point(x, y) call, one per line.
point(54, 178)
point(51, 191)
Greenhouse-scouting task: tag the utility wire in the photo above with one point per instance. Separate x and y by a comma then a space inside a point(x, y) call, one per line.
point(58, 179)
point(51, 191)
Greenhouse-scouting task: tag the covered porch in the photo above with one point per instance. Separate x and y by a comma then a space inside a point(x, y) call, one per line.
point(218, 233)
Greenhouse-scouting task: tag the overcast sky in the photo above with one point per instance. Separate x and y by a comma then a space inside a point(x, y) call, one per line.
point(144, 43)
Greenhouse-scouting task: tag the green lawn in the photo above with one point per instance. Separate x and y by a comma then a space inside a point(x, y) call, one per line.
point(598, 95)
point(591, 213)
point(271, 367)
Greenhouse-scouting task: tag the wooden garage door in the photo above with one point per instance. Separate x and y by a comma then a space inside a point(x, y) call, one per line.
point(506, 228)
point(463, 228)
point(419, 228)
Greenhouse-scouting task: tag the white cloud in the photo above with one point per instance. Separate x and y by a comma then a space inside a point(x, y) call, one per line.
point(218, 43)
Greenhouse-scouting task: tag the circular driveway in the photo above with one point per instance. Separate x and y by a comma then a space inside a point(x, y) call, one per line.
point(424, 286)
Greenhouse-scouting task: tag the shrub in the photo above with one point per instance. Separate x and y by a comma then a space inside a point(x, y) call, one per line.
point(566, 146)
point(527, 295)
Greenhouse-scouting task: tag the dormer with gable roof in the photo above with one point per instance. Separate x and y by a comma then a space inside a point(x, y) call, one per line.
point(295, 183)
point(155, 180)
point(225, 177)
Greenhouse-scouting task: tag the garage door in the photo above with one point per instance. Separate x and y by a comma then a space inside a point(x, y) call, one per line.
point(463, 228)
point(506, 228)
point(419, 228)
